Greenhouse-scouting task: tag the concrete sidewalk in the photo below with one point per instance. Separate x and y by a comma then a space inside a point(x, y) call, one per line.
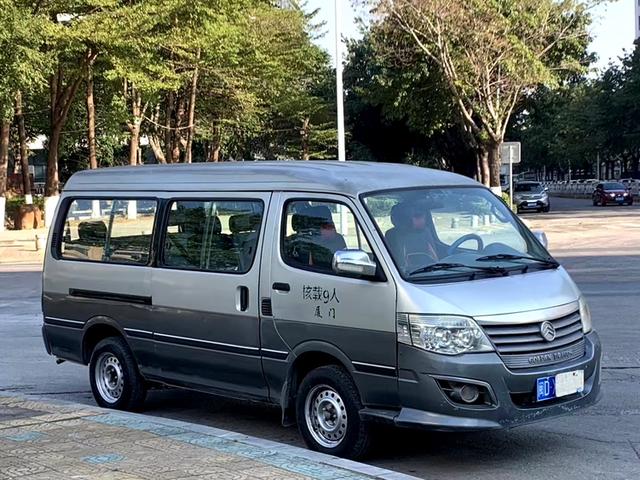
point(19, 247)
point(45, 440)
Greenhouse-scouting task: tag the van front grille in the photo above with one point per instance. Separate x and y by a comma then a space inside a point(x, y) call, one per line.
point(523, 346)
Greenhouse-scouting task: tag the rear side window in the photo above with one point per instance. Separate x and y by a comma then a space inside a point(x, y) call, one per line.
point(109, 231)
point(316, 230)
point(212, 235)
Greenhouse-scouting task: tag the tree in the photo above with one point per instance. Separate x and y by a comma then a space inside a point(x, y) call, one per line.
point(490, 54)
point(398, 108)
point(22, 67)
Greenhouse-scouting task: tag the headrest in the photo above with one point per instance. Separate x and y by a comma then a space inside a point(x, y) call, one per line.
point(312, 218)
point(401, 215)
point(318, 216)
point(298, 222)
point(247, 222)
point(92, 230)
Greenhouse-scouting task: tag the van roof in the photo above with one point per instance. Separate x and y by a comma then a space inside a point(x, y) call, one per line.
point(351, 178)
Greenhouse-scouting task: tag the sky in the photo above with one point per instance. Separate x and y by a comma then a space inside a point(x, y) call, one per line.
point(613, 28)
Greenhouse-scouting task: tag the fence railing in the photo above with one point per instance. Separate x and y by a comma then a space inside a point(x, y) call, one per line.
point(583, 190)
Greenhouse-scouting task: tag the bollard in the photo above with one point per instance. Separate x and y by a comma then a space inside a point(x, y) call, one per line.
point(474, 221)
point(40, 242)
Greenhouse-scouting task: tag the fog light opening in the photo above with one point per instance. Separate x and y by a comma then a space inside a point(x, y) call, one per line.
point(467, 394)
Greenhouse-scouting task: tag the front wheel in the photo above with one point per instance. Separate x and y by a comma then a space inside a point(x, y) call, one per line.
point(114, 377)
point(328, 413)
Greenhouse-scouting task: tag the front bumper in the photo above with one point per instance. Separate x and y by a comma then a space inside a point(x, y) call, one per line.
point(534, 204)
point(424, 404)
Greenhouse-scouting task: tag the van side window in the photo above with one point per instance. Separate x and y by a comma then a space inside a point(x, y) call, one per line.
point(212, 235)
point(109, 231)
point(315, 231)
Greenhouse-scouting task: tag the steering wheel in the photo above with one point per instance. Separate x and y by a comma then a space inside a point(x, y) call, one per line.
point(465, 238)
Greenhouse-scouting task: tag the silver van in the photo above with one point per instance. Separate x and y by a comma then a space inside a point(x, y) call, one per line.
point(346, 293)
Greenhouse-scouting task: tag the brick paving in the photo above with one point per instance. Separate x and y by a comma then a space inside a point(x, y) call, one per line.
point(49, 441)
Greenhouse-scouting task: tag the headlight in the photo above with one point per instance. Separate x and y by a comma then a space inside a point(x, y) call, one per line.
point(448, 335)
point(585, 315)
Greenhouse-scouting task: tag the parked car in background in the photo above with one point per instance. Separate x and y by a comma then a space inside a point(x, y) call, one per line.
point(612, 193)
point(531, 196)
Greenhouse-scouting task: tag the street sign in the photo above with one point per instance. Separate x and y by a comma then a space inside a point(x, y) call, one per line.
point(510, 151)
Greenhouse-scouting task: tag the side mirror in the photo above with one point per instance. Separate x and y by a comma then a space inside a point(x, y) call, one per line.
point(354, 263)
point(542, 238)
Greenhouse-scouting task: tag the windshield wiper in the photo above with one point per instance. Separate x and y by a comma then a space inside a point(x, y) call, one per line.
point(510, 257)
point(436, 267)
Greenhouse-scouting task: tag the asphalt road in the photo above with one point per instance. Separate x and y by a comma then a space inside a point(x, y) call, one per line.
point(601, 442)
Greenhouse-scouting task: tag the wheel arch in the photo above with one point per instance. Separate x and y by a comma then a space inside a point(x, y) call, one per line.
point(96, 330)
point(305, 358)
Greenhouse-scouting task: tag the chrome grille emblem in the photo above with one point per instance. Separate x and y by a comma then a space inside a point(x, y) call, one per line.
point(548, 331)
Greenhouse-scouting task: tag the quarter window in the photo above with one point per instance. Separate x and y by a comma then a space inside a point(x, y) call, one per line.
point(315, 231)
point(109, 231)
point(212, 235)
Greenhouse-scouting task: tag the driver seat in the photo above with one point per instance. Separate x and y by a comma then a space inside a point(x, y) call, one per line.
point(413, 248)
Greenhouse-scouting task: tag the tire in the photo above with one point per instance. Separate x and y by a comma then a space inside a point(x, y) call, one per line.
point(113, 373)
point(547, 209)
point(333, 388)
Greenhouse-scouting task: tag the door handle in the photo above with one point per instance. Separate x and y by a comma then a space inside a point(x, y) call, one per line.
point(282, 287)
point(244, 298)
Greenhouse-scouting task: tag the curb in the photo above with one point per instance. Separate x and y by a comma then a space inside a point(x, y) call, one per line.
point(150, 423)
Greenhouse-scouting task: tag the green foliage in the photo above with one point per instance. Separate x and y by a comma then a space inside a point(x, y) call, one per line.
point(489, 53)
point(568, 127)
point(23, 64)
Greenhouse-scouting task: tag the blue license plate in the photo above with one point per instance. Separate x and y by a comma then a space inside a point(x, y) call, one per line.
point(546, 389)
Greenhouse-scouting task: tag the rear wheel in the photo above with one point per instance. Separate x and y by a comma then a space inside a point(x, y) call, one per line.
point(327, 412)
point(114, 377)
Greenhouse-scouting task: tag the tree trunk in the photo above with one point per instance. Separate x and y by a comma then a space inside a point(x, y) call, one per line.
point(192, 114)
point(5, 128)
point(215, 145)
point(495, 163)
point(157, 149)
point(61, 100)
point(483, 161)
point(134, 143)
point(91, 121)
point(177, 138)
point(168, 133)
point(52, 184)
point(305, 139)
point(24, 151)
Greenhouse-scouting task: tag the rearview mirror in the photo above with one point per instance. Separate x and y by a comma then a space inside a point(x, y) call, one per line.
point(542, 238)
point(354, 263)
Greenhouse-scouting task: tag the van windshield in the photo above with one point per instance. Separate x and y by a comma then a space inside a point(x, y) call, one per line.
point(442, 234)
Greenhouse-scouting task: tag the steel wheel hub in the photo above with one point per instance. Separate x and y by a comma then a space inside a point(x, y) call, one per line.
point(109, 377)
point(326, 416)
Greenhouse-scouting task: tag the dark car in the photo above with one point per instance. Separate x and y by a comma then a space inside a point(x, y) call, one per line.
point(612, 193)
point(531, 196)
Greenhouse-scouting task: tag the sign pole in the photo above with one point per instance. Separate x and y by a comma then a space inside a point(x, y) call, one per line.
point(511, 178)
point(339, 88)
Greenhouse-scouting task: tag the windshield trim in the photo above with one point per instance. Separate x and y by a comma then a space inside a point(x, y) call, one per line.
point(528, 236)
